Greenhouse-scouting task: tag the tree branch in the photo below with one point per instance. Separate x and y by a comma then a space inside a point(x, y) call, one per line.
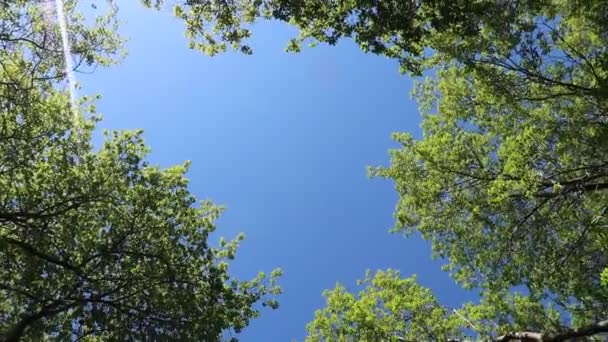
point(48, 258)
point(520, 336)
point(589, 330)
point(599, 327)
point(15, 333)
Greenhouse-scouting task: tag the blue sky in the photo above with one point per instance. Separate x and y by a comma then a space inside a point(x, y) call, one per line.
point(282, 141)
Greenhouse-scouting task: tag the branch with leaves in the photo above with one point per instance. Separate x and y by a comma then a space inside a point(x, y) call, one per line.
point(390, 308)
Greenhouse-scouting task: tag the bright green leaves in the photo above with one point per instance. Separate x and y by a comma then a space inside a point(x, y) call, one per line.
point(500, 313)
point(509, 180)
point(510, 191)
point(213, 26)
point(388, 308)
point(396, 29)
point(391, 308)
point(96, 243)
point(117, 244)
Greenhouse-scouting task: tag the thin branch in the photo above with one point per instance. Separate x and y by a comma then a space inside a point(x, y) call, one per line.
point(48, 258)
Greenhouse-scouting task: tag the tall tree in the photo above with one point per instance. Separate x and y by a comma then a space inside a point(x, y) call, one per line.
point(96, 244)
point(510, 180)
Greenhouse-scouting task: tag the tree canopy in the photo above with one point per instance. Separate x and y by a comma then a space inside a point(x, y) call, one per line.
point(96, 243)
point(392, 308)
point(508, 182)
point(388, 308)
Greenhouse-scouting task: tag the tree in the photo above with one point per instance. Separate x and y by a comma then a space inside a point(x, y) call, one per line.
point(397, 29)
point(391, 308)
point(95, 243)
point(388, 308)
point(511, 192)
point(509, 182)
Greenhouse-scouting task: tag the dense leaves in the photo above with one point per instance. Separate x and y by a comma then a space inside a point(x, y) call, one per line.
point(95, 243)
point(513, 193)
point(387, 309)
point(31, 48)
point(509, 181)
point(397, 29)
point(100, 243)
point(391, 308)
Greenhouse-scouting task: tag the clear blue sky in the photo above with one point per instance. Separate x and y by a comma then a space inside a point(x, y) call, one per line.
point(282, 141)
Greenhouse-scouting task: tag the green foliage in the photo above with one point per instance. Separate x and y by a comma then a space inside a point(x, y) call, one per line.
point(31, 45)
point(100, 243)
point(397, 29)
point(509, 181)
point(391, 308)
point(387, 309)
point(401, 30)
point(214, 25)
point(95, 243)
point(500, 313)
